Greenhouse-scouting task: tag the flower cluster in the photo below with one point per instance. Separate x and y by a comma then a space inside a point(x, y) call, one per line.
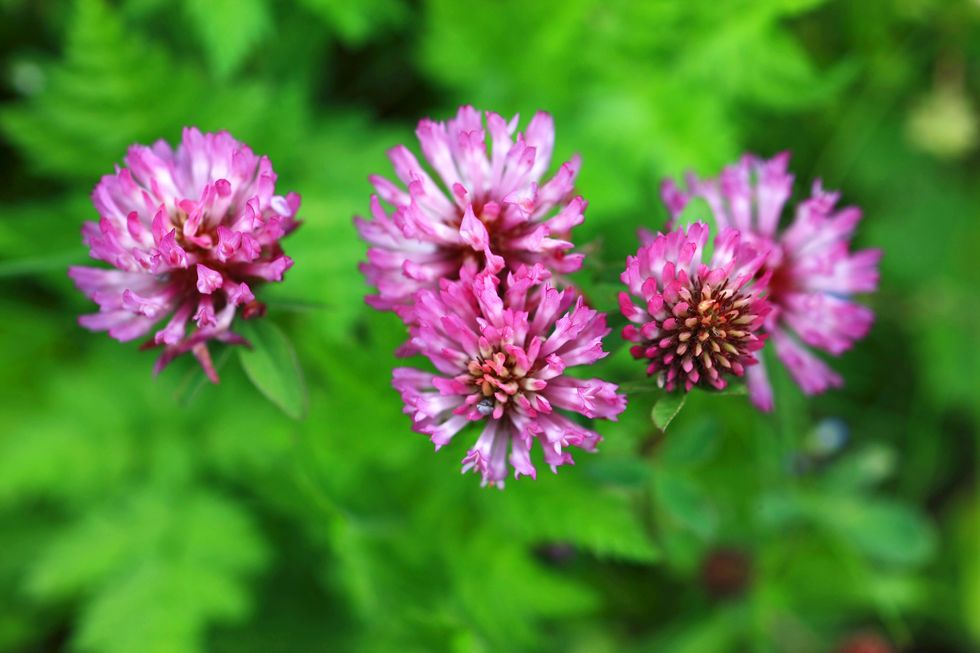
point(470, 262)
point(810, 271)
point(472, 251)
point(189, 234)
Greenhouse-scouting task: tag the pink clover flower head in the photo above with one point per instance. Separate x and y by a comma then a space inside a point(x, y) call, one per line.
point(502, 356)
point(812, 270)
point(486, 207)
point(695, 323)
point(189, 233)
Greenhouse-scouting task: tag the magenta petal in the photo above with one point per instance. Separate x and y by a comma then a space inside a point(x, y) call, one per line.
point(208, 280)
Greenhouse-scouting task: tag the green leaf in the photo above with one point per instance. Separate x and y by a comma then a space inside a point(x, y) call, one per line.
point(271, 364)
point(55, 263)
point(685, 501)
point(46, 457)
point(667, 408)
point(19, 626)
point(113, 89)
point(690, 445)
point(40, 237)
point(861, 469)
point(228, 29)
point(357, 22)
point(778, 510)
point(622, 471)
point(885, 530)
point(327, 249)
point(740, 390)
point(965, 541)
point(543, 592)
point(718, 631)
point(600, 520)
point(152, 571)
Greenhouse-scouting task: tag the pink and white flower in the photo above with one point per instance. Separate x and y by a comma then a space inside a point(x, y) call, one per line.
point(812, 271)
point(487, 207)
point(695, 323)
point(502, 356)
point(189, 234)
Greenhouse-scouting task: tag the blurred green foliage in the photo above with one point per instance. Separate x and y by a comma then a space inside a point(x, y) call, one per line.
point(169, 515)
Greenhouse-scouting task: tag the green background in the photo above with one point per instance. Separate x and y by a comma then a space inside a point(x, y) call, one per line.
point(167, 515)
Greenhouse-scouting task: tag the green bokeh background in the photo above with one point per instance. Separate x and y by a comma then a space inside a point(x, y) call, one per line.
point(167, 515)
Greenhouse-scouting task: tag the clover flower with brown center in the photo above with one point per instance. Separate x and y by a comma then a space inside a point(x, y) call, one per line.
point(697, 324)
point(813, 272)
